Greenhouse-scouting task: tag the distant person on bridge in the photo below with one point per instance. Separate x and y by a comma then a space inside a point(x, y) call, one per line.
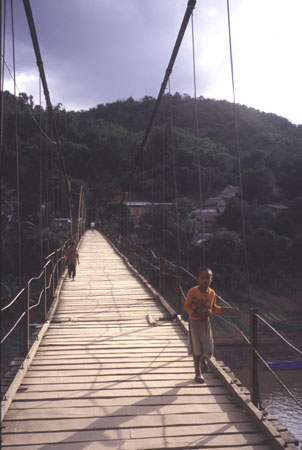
point(72, 257)
point(200, 304)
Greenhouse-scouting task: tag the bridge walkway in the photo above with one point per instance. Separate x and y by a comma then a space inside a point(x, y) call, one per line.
point(104, 378)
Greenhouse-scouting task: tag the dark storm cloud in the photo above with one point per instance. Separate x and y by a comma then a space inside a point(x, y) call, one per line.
point(99, 51)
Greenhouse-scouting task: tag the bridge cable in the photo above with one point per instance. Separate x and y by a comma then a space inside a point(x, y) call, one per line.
point(39, 61)
point(47, 187)
point(25, 104)
point(198, 142)
point(41, 178)
point(164, 195)
point(190, 7)
point(175, 181)
point(17, 148)
point(2, 73)
point(238, 157)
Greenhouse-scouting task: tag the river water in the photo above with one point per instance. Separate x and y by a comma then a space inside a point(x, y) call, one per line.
point(275, 399)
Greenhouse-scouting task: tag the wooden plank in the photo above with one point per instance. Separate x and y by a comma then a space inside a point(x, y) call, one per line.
point(29, 396)
point(204, 407)
point(94, 378)
point(121, 420)
point(87, 402)
point(126, 440)
point(44, 359)
point(128, 371)
point(236, 434)
point(110, 385)
point(92, 365)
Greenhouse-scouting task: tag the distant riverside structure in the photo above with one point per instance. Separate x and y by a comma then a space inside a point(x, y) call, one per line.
point(215, 206)
point(138, 208)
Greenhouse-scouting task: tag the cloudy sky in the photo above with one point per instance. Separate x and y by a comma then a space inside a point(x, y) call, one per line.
point(99, 51)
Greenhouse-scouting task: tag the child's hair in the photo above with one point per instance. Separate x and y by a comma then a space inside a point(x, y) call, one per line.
point(204, 269)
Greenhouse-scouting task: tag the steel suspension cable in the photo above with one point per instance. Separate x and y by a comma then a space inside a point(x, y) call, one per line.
point(41, 178)
point(28, 108)
point(175, 182)
point(164, 196)
point(47, 188)
point(2, 42)
point(39, 61)
point(198, 142)
point(17, 148)
point(238, 157)
point(190, 7)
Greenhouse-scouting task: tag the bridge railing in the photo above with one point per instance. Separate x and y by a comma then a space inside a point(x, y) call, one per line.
point(33, 301)
point(172, 281)
point(30, 308)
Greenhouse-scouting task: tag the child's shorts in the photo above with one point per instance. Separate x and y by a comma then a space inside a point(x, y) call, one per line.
point(200, 339)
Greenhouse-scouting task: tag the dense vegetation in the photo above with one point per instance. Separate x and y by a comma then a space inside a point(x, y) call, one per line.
point(99, 146)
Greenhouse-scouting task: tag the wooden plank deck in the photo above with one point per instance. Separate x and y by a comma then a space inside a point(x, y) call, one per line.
point(104, 378)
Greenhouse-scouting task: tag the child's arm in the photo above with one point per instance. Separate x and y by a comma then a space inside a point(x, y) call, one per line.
point(229, 308)
point(222, 309)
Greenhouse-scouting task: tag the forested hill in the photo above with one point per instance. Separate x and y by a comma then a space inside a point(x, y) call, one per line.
point(99, 146)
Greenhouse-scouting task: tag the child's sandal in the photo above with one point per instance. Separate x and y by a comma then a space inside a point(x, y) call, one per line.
point(199, 379)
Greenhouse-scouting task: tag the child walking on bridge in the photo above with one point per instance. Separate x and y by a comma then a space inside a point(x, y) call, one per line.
point(72, 257)
point(200, 304)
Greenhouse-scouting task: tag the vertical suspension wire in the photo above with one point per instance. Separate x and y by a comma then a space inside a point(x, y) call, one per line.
point(175, 181)
point(46, 187)
point(152, 190)
point(164, 196)
point(2, 50)
point(238, 157)
point(197, 140)
point(143, 183)
point(51, 196)
point(17, 148)
point(41, 177)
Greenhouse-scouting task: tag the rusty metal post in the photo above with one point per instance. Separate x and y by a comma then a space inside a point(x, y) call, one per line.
point(44, 302)
point(178, 293)
point(254, 365)
point(142, 261)
point(149, 266)
point(139, 260)
point(161, 275)
point(26, 321)
point(53, 276)
point(61, 261)
point(57, 268)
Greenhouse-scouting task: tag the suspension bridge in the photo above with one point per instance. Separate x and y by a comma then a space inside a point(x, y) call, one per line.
point(110, 370)
point(104, 359)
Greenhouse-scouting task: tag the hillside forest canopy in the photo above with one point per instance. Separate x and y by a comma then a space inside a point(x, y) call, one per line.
point(99, 146)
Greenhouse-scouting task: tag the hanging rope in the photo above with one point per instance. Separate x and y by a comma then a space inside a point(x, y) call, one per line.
point(164, 196)
point(238, 158)
point(175, 181)
point(197, 140)
point(190, 7)
point(33, 33)
point(2, 74)
point(41, 178)
point(17, 149)
point(27, 106)
point(47, 189)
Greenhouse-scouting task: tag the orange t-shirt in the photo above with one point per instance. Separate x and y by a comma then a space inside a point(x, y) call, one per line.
point(199, 305)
